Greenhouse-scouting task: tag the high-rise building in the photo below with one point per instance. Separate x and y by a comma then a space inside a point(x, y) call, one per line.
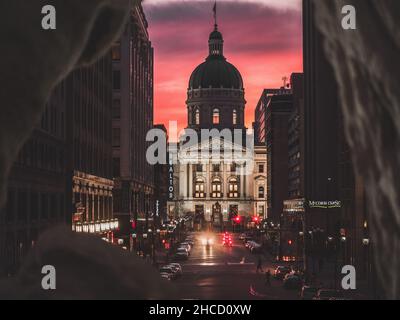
point(89, 158)
point(291, 243)
point(272, 116)
point(321, 110)
point(296, 139)
point(336, 219)
point(37, 186)
point(132, 119)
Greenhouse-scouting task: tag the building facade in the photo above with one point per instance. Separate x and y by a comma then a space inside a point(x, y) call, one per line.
point(89, 159)
point(274, 108)
point(336, 219)
point(37, 193)
point(217, 187)
point(132, 119)
point(161, 185)
point(296, 140)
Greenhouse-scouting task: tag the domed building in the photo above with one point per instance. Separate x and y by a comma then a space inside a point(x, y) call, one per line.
point(215, 97)
point(217, 189)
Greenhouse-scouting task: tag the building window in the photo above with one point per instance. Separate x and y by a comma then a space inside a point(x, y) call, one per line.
point(117, 80)
point(216, 186)
point(116, 52)
point(197, 117)
point(116, 137)
point(261, 192)
point(234, 117)
point(232, 167)
point(261, 168)
point(199, 168)
point(199, 188)
point(116, 109)
point(233, 188)
point(216, 116)
point(216, 167)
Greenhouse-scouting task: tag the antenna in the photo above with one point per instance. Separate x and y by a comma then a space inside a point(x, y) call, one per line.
point(284, 79)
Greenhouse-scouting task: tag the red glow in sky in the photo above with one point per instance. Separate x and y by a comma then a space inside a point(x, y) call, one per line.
point(263, 39)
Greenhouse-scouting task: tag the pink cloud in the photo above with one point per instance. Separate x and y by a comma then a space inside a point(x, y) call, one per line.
point(264, 43)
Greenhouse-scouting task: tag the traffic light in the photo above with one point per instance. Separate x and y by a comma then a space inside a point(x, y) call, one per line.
point(237, 219)
point(290, 242)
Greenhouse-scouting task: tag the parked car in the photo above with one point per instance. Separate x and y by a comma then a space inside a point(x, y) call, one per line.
point(186, 245)
point(181, 254)
point(185, 248)
point(168, 272)
point(242, 236)
point(166, 276)
point(292, 282)
point(177, 270)
point(308, 293)
point(281, 271)
point(329, 294)
point(177, 267)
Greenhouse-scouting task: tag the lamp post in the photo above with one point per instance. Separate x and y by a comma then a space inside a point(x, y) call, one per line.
point(365, 243)
point(152, 247)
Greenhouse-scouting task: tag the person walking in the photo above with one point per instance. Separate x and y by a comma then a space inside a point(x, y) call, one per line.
point(259, 265)
point(268, 278)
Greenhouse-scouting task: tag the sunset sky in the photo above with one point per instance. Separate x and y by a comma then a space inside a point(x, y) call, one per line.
point(263, 39)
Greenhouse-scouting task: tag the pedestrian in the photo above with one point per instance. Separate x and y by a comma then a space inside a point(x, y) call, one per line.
point(268, 278)
point(259, 265)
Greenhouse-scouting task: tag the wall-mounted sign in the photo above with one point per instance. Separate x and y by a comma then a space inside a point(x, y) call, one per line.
point(170, 182)
point(325, 204)
point(157, 208)
point(295, 205)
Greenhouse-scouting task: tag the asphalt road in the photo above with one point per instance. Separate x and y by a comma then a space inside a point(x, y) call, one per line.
point(227, 273)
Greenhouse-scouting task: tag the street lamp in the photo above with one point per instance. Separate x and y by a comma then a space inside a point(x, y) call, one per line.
point(365, 242)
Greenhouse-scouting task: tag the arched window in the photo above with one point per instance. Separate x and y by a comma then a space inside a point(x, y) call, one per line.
point(261, 192)
point(233, 188)
point(234, 117)
point(199, 188)
point(215, 116)
point(197, 117)
point(216, 187)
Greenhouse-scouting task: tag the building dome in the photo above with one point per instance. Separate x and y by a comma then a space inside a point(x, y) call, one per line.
point(216, 72)
point(216, 35)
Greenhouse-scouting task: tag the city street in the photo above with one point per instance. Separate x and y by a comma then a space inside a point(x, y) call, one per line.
point(220, 272)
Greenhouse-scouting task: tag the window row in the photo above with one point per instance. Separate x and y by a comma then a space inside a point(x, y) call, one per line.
point(216, 188)
point(217, 168)
point(216, 116)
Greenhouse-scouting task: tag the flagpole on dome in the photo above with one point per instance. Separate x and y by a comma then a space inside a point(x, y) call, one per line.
point(215, 15)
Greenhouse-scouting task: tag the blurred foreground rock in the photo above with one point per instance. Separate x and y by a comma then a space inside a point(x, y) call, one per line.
point(367, 69)
point(86, 268)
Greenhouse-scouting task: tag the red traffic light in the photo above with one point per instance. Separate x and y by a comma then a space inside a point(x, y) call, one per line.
point(237, 219)
point(290, 242)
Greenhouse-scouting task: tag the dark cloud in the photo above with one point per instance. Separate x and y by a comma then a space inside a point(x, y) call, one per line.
point(247, 27)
